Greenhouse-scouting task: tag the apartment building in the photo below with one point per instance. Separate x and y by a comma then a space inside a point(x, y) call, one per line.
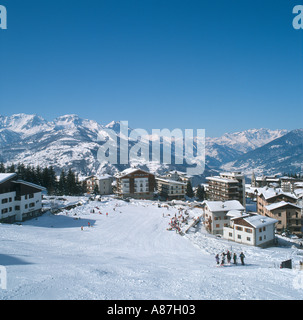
point(217, 214)
point(171, 189)
point(252, 229)
point(282, 206)
point(103, 182)
point(19, 200)
point(135, 183)
point(289, 216)
point(227, 186)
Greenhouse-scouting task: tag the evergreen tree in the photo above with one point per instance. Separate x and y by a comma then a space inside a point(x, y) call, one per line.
point(53, 184)
point(2, 168)
point(11, 169)
point(37, 176)
point(62, 183)
point(96, 189)
point(29, 174)
point(189, 190)
point(200, 193)
point(71, 188)
point(21, 171)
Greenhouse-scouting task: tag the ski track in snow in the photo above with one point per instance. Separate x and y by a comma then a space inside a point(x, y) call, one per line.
point(128, 255)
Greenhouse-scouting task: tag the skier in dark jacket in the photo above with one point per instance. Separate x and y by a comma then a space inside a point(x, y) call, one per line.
point(242, 256)
point(223, 259)
point(228, 256)
point(235, 258)
point(217, 259)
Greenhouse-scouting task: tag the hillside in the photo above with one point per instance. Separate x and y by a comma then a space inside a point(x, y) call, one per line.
point(128, 255)
point(284, 154)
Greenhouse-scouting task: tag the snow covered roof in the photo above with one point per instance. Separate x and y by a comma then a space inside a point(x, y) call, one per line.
point(299, 192)
point(258, 221)
point(236, 214)
point(104, 176)
point(298, 184)
point(6, 176)
point(271, 192)
point(217, 206)
point(280, 204)
point(172, 181)
point(129, 171)
point(220, 179)
point(30, 184)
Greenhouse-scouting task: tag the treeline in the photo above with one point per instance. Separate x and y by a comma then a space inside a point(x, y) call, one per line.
point(66, 184)
point(293, 175)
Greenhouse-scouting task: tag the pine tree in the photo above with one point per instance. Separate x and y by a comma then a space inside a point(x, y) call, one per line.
point(71, 188)
point(200, 194)
point(2, 168)
point(53, 183)
point(62, 184)
point(96, 189)
point(11, 169)
point(37, 175)
point(21, 171)
point(189, 190)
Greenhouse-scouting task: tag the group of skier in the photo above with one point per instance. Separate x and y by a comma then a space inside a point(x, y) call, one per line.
point(220, 259)
point(177, 220)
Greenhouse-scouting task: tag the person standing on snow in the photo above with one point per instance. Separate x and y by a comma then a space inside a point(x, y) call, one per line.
point(235, 258)
point(223, 259)
point(217, 259)
point(242, 256)
point(228, 255)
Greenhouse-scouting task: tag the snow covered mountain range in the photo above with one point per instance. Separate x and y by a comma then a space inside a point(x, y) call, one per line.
point(71, 142)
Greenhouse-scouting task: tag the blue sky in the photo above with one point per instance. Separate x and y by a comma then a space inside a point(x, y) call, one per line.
point(223, 66)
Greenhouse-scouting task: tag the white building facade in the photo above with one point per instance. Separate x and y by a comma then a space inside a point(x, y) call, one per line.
point(255, 230)
point(216, 215)
point(19, 200)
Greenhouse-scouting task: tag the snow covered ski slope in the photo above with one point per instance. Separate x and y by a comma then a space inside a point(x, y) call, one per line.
point(125, 252)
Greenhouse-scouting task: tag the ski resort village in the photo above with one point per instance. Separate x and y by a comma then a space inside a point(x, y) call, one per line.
point(136, 235)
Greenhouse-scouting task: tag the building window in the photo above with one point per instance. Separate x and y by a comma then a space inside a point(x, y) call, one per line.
point(248, 230)
point(4, 200)
point(239, 228)
point(31, 205)
point(248, 239)
point(230, 234)
point(260, 238)
point(239, 236)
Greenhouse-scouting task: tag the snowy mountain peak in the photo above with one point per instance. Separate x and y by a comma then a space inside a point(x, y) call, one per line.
point(24, 124)
point(248, 140)
point(72, 142)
